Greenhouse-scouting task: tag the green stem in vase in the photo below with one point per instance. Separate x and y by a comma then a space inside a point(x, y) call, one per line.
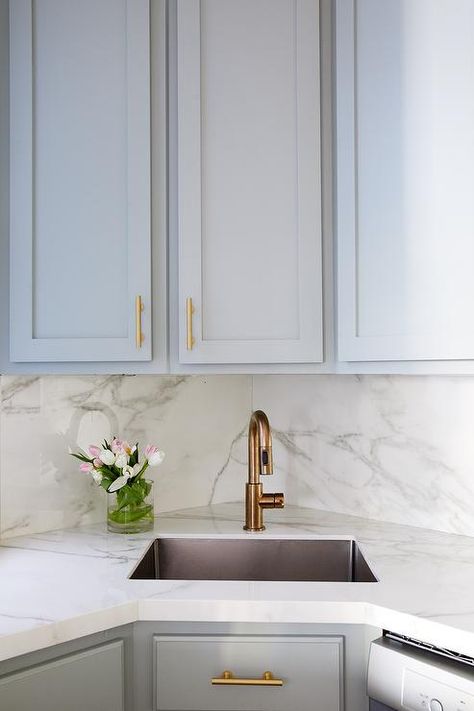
point(142, 470)
point(120, 516)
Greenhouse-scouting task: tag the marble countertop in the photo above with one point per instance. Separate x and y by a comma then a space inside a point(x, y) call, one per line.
point(62, 585)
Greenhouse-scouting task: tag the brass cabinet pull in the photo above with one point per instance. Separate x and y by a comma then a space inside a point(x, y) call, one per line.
point(228, 679)
point(189, 324)
point(139, 337)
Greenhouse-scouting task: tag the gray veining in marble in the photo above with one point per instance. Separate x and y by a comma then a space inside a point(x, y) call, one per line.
point(392, 448)
point(198, 421)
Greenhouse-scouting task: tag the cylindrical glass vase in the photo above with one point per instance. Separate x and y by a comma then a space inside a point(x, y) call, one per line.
point(130, 509)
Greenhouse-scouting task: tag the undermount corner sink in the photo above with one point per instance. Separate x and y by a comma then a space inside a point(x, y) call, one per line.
point(284, 559)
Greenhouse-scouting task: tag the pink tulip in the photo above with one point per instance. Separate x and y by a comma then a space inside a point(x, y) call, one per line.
point(86, 467)
point(127, 448)
point(94, 451)
point(150, 449)
point(121, 446)
point(154, 455)
point(116, 446)
point(97, 463)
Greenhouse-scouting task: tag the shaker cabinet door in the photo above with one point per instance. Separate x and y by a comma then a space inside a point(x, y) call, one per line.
point(80, 180)
point(92, 680)
point(249, 194)
point(309, 671)
point(405, 179)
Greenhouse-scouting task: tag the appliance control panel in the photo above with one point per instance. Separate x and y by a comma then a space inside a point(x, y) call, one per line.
point(423, 693)
point(405, 678)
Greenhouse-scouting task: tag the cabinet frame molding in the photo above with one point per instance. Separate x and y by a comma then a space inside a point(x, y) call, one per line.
point(308, 346)
point(430, 345)
point(24, 346)
point(226, 698)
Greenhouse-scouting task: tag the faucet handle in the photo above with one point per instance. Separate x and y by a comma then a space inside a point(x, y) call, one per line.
point(272, 501)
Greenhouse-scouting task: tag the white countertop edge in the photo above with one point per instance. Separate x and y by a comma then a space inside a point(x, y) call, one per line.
point(292, 612)
point(48, 635)
point(300, 612)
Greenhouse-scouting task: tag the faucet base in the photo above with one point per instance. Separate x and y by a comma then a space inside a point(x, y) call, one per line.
point(255, 502)
point(253, 511)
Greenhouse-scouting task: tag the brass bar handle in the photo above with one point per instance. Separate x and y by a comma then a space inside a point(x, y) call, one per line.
point(189, 324)
point(139, 337)
point(228, 679)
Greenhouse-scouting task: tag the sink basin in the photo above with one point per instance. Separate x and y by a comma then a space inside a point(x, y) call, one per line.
point(250, 559)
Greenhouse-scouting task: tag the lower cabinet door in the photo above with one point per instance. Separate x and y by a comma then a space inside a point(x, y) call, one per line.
point(310, 668)
point(91, 680)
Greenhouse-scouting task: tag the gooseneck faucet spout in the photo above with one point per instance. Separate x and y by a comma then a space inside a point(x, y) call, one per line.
point(260, 463)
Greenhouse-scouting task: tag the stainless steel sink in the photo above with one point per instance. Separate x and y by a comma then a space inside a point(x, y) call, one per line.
point(250, 559)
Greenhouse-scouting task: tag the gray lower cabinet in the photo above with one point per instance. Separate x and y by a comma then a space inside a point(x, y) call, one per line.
point(310, 669)
point(158, 666)
point(89, 674)
point(92, 680)
point(322, 667)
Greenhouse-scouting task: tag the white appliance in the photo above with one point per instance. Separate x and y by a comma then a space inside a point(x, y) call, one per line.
point(407, 675)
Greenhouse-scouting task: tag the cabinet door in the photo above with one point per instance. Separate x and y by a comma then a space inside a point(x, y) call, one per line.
point(249, 181)
point(92, 680)
point(405, 177)
point(80, 180)
point(309, 667)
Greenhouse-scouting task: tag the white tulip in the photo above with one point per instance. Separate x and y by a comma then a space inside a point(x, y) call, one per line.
point(130, 472)
point(121, 461)
point(117, 484)
point(97, 476)
point(156, 458)
point(107, 457)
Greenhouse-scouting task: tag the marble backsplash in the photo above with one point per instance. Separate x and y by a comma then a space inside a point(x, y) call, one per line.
point(200, 423)
point(393, 448)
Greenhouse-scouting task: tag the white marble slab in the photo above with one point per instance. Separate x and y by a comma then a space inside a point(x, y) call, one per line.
point(65, 584)
point(393, 448)
point(200, 422)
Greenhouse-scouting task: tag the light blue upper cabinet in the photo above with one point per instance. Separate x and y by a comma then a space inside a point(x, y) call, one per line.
point(405, 179)
point(80, 180)
point(249, 182)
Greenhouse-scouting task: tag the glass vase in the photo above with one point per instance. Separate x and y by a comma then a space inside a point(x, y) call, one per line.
point(130, 509)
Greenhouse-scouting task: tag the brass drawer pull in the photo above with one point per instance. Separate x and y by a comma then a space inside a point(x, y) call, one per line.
point(228, 679)
point(139, 338)
point(189, 324)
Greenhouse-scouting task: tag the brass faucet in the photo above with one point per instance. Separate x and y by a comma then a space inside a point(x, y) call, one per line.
point(260, 462)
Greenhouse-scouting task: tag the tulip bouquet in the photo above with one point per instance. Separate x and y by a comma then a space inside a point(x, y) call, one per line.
point(117, 468)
